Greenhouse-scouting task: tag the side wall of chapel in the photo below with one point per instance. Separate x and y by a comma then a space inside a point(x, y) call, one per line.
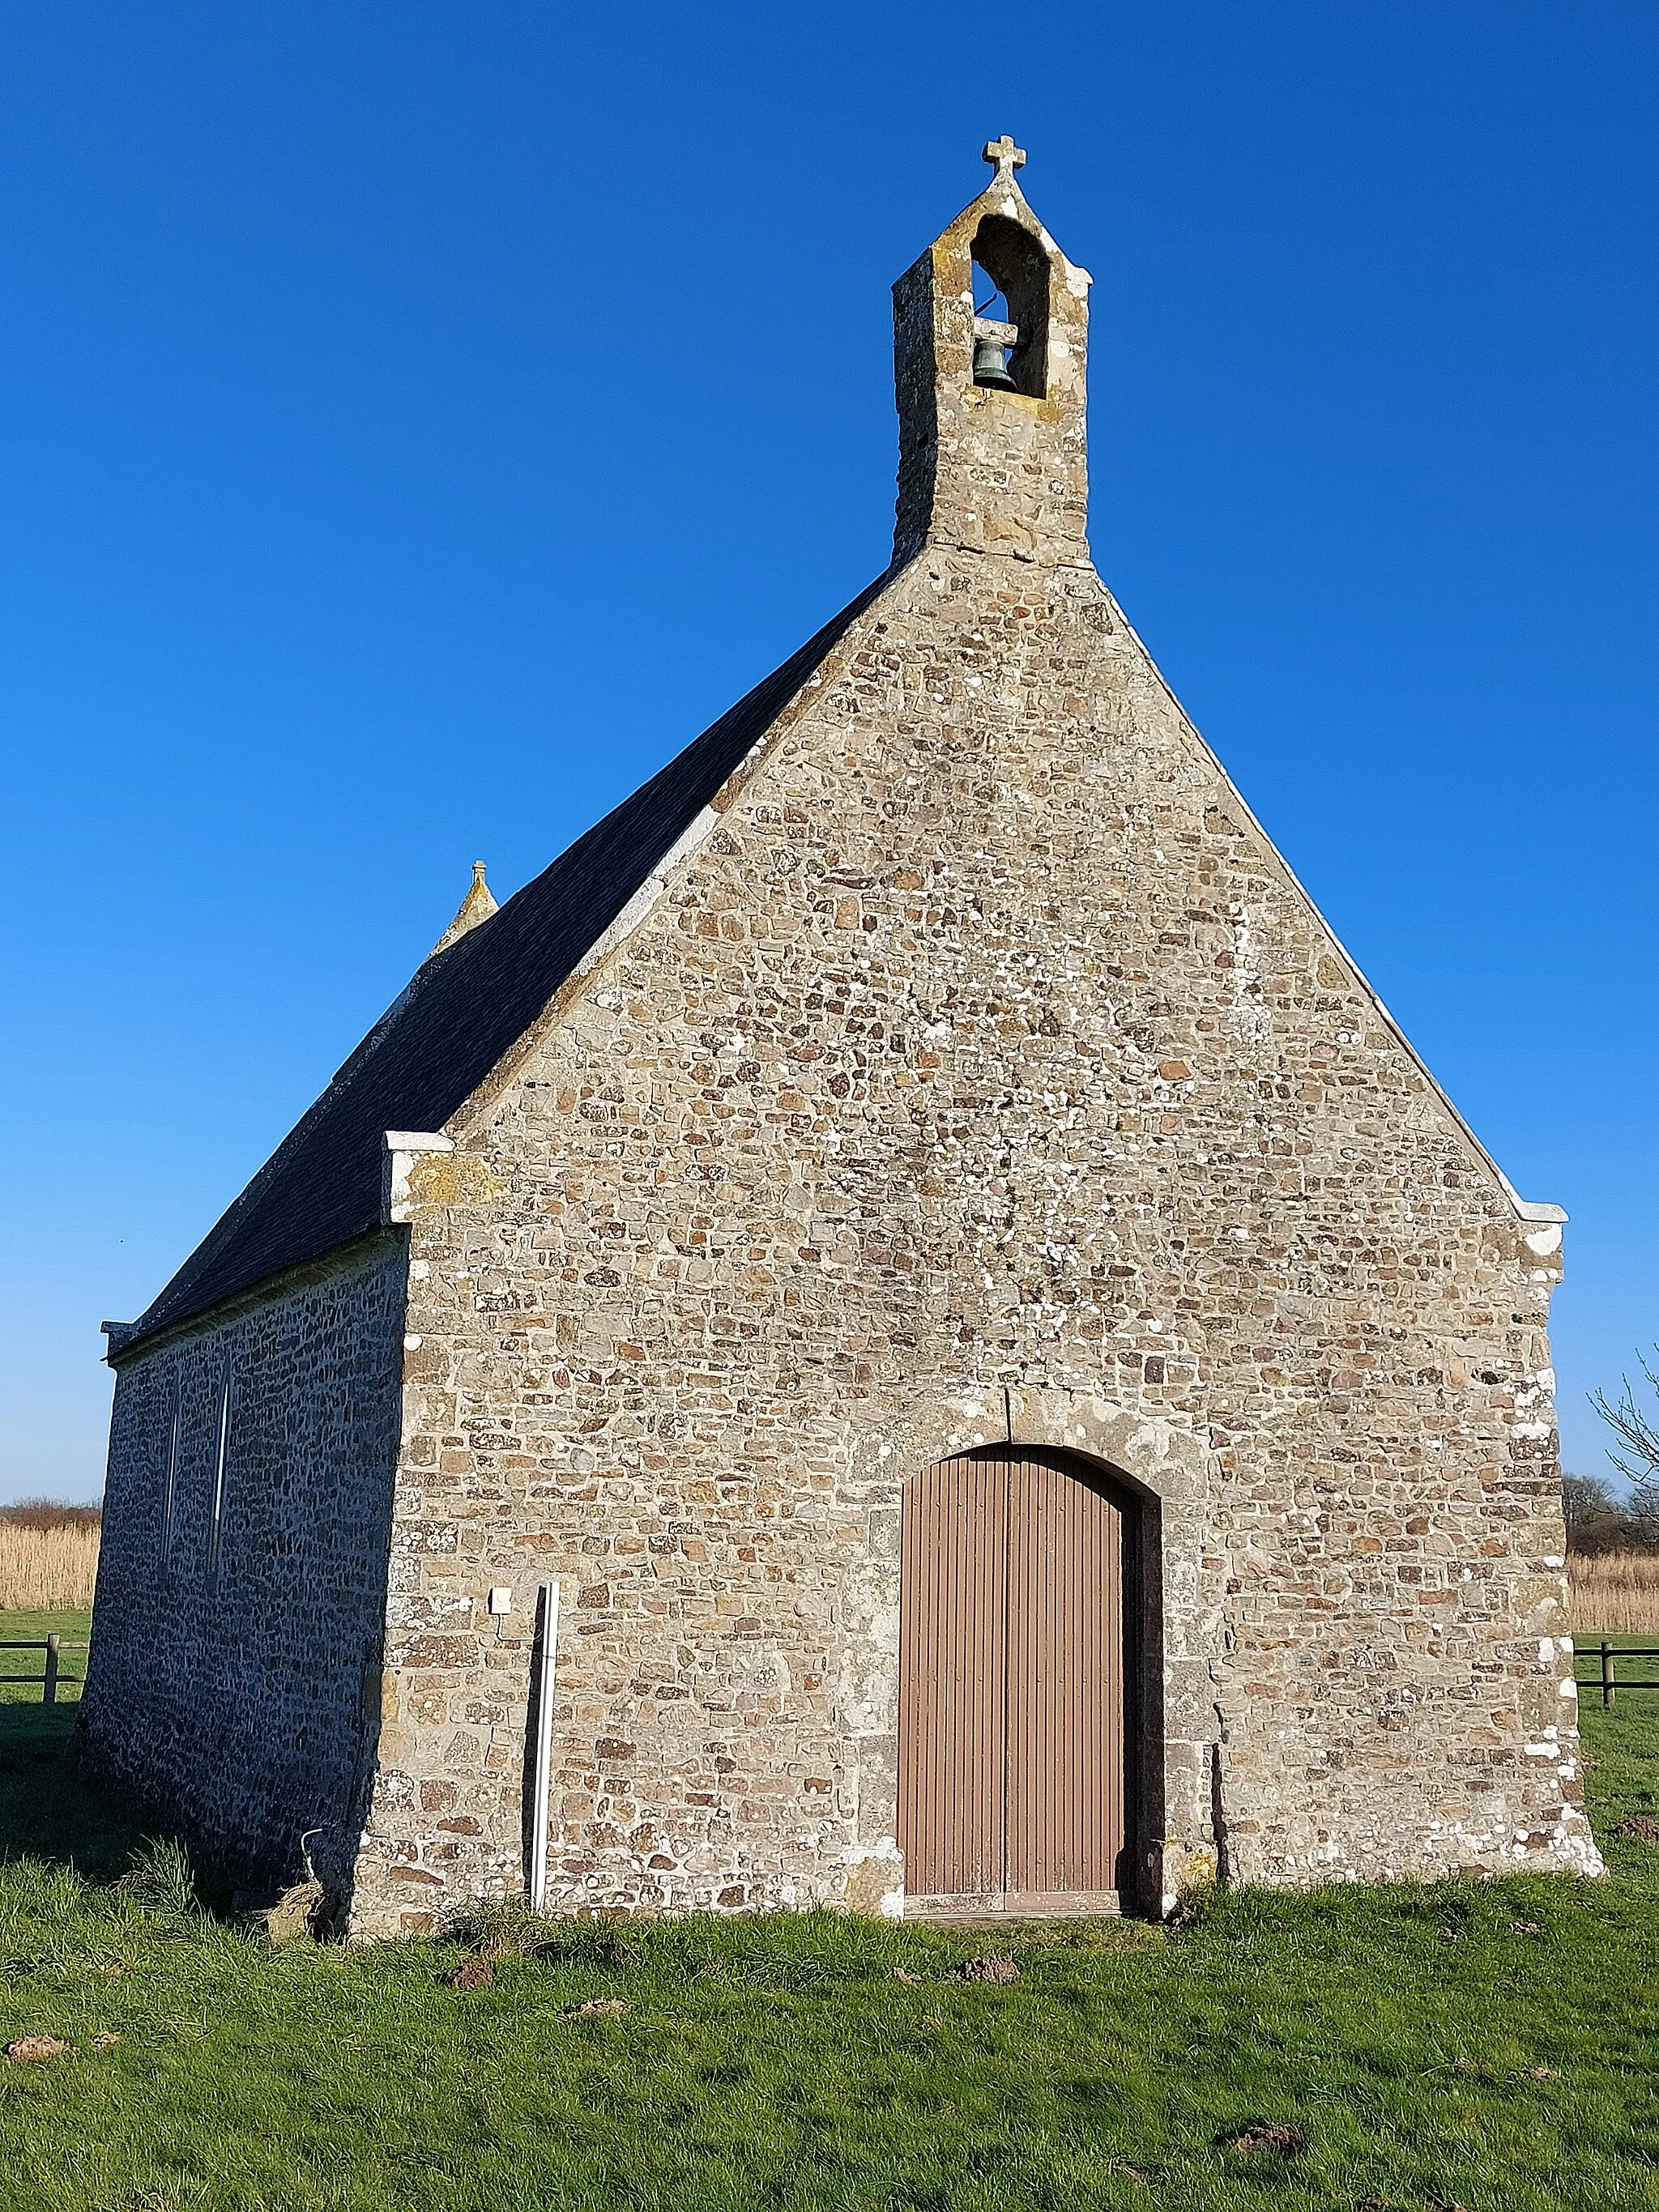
point(980, 1070)
point(232, 1684)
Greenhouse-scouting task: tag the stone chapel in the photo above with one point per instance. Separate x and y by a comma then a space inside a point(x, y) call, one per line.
point(899, 1329)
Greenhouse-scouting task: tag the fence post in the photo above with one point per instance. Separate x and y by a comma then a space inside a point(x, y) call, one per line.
point(49, 1687)
point(1609, 1684)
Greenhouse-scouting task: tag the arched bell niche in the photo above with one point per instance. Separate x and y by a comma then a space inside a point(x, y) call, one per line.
point(1018, 268)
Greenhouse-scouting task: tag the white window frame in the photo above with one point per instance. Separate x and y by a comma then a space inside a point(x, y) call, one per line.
point(169, 1488)
point(216, 1523)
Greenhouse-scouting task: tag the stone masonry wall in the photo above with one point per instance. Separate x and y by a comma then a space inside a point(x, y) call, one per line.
point(999, 472)
point(232, 1702)
point(980, 1070)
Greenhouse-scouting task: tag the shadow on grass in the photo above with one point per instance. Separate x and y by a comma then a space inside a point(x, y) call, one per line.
point(46, 1811)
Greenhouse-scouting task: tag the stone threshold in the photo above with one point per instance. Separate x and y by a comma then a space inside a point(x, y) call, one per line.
point(1018, 1905)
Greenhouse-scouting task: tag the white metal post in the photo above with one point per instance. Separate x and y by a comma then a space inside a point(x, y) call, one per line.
point(541, 1775)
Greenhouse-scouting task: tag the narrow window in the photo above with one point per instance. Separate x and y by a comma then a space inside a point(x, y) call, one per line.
point(168, 1484)
point(216, 1524)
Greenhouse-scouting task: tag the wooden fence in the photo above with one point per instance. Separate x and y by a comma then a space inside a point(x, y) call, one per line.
point(1606, 1657)
point(1603, 1659)
point(53, 1646)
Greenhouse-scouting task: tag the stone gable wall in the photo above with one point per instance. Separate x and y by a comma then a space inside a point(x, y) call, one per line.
point(233, 1703)
point(981, 1071)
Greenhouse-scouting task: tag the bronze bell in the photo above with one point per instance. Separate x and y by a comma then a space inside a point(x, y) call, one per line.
point(991, 344)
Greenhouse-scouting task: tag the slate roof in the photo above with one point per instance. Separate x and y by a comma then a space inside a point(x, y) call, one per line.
point(466, 1008)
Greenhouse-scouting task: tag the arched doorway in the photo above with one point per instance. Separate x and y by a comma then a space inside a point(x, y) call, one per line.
point(1019, 1686)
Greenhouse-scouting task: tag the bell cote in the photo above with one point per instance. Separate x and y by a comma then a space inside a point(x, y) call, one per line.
point(990, 347)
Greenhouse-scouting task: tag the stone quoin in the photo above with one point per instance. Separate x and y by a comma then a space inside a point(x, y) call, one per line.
point(935, 1070)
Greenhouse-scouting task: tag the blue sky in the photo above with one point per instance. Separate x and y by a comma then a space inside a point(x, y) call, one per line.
point(417, 421)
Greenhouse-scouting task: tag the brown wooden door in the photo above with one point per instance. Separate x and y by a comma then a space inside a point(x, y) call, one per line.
point(1014, 1708)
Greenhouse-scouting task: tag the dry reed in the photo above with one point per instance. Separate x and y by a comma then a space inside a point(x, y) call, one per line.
point(47, 1570)
point(1615, 1593)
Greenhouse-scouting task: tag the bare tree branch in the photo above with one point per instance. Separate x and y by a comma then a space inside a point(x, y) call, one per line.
point(1638, 1457)
point(1638, 1432)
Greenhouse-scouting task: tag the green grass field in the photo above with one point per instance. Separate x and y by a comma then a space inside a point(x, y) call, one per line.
point(1493, 2046)
point(44, 1813)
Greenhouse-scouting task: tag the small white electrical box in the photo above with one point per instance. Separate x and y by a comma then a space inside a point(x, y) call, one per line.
point(500, 1602)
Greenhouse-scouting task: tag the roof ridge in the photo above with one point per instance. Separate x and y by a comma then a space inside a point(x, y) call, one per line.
point(463, 1009)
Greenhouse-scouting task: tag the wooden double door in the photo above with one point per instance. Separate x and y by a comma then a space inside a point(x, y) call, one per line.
point(1017, 1686)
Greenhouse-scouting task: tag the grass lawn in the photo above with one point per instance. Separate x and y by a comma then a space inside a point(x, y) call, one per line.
point(44, 1812)
point(1493, 2045)
point(20, 1671)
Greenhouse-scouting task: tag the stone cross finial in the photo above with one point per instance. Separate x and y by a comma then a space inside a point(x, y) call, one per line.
point(1005, 156)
